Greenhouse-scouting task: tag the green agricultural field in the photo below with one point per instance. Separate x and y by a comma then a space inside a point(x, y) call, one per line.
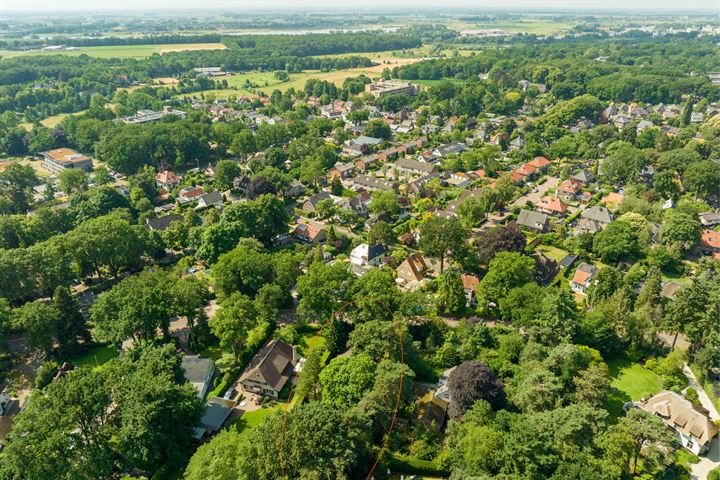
point(51, 121)
point(630, 381)
point(538, 26)
point(121, 51)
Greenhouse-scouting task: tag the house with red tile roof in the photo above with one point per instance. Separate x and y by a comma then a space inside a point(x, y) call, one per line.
point(308, 233)
point(167, 179)
point(584, 275)
point(710, 243)
point(568, 190)
point(552, 206)
point(541, 163)
point(470, 285)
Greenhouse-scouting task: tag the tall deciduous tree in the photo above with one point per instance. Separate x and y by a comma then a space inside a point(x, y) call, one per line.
point(236, 317)
point(440, 237)
point(472, 381)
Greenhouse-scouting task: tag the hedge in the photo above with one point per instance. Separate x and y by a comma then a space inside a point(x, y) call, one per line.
point(404, 464)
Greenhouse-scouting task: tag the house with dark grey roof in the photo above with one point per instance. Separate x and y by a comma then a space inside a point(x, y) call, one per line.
point(310, 204)
point(365, 140)
point(533, 220)
point(210, 199)
point(366, 182)
point(270, 369)
point(214, 417)
point(414, 167)
point(710, 219)
point(198, 372)
point(584, 177)
point(162, 223)
point(600, 215)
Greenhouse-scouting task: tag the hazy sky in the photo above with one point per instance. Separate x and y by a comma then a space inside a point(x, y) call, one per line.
point(239, 5)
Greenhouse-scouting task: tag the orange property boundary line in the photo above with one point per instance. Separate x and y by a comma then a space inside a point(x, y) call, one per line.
point(397, 399)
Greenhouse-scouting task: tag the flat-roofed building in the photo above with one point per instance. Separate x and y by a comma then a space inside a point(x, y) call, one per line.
point(60, 159)
point(385, 88)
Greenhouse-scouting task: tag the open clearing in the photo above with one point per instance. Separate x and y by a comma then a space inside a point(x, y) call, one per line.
point(51, 121)
point(630, 381)
point(121, 51)
point(267, 83)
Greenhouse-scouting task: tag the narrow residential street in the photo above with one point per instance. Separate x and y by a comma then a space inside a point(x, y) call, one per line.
point(710, 461)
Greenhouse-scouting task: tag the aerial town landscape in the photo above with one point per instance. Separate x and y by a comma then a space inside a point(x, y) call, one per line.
point(388, 244)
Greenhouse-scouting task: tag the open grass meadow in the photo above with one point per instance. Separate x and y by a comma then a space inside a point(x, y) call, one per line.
point(120, 51)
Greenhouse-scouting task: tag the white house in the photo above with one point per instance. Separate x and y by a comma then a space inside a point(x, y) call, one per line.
point(584, 275)
point(364, 257)
point(694, 429)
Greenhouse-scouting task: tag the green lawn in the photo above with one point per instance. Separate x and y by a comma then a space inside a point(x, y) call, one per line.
point(630, 381)
point(251, 420)
point(95, 357)
point(121, 51)
point(552, 253)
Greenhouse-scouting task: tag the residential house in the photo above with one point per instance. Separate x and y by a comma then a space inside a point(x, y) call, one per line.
point(600, 215)
point(162, 223)
point(413, 145)
point(55, 161)
point(416, 187)
point(516, 143)
point(584, 178)
point(527, 171)
point(694, 428)
point(552, 206)
point(710, 219)
point(710, 243)
point(612, 200)
point(199, 372)
point(584, 275)
point(214, 417)
point(470, 285)
point(309, 233)
point(568, 190)
point(388, 154)
point(533, 220)
point(295, 189)
point(409, 166)
point(453, 148)
point(210, 199)
point(364, 140)
point(190, 194)
point(460, 179)
point(499, 139)
point(360, 203)
point(365, 163)
point(412, 271)
point(364, 257)
point(342, 170)
point(270, 369)
point(366, 182)
point(311, 203)
point(167, 180)
point(241, 183)
point(540, 163)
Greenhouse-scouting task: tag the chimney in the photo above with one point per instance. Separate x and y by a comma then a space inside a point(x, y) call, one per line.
point(294, 355)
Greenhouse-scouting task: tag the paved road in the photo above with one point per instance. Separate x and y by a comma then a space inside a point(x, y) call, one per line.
point(700, 470)
point(535, 197)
